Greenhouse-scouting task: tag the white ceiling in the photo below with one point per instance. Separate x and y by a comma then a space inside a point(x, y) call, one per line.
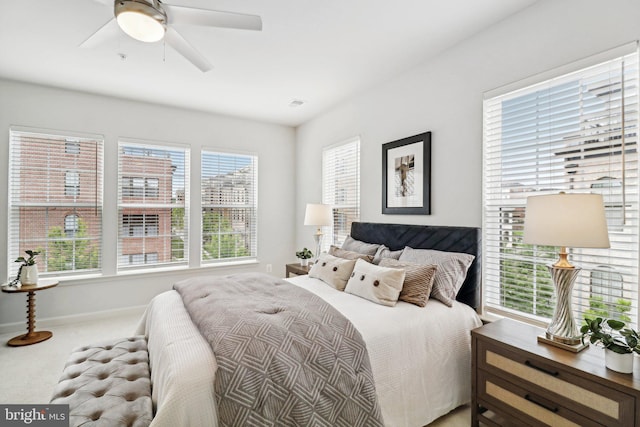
point(321, 52)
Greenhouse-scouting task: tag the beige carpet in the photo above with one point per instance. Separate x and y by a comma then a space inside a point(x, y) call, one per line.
point(29, 374)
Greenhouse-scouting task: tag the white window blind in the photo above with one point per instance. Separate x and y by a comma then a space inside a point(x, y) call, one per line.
point(153, 208)
point(341, 188)
point(576, 132)
point(55, 201)
point(229, 206)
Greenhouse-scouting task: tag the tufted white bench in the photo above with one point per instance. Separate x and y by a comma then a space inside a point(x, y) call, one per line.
point(107, 384)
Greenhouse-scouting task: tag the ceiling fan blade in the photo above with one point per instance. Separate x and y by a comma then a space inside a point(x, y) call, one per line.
point(212, 18)
point(107, 31)
point(183, 47)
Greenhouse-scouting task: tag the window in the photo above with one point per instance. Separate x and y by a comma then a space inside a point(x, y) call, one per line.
point(67, 230)
point(139, 259)
point(229, 206)
point(140, 187)
point(71, 225)
point(72, 146)
point(341, 188)
point(606, 295)
point(140, 225)
point(71, 183)
point(152, 204)
point(151, 187)
point(576, 132)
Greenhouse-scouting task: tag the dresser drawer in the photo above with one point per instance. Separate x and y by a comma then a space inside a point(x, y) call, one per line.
point(553, 383)
point(533, 409)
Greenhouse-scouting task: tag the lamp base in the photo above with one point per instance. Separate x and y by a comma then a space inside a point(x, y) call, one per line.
point(318, 238)
point(575, 348)
point(563, 329)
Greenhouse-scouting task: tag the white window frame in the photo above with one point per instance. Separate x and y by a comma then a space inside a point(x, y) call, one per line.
point(576, 158)
point(150, 233)
point(340, 177)
point(56, 203)
point(234, 197)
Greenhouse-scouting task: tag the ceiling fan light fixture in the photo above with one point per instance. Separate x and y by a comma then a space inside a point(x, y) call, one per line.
point(141, 20)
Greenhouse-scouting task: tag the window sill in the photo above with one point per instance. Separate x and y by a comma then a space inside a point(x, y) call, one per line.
point(493, 315)
point(149, 272)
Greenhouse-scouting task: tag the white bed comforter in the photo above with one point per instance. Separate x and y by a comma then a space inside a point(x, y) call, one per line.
point(420, 357)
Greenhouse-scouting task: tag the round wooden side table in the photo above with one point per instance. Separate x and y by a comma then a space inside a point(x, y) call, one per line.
point(32, 336)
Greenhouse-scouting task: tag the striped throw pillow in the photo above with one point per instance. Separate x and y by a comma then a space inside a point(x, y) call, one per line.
point(418, 280)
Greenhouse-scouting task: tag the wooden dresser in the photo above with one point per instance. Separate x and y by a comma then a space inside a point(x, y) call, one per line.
point(520, 382)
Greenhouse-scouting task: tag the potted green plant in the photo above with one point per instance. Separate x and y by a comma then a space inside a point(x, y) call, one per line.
point(28, 271)
point(304, 255)
point(619, 342)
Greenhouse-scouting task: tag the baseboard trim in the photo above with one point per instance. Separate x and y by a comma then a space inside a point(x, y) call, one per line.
point(48, 322)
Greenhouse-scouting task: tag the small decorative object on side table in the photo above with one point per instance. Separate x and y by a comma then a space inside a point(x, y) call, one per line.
point(297, 269)
point(619, 341)
point(518, 381)
point(32, 336)
point(28, 271)
point(304, 255)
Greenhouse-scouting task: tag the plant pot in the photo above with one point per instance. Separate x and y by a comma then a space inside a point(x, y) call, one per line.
point(29, 275)
point(622, 363)
point(304, 262)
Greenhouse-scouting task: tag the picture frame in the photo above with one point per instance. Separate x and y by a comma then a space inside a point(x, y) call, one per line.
point(406, 176)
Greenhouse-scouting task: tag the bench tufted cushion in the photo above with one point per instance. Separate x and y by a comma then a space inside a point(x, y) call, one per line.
point(107, 384)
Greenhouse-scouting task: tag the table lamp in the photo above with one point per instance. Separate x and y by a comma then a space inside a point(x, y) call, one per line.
point(565, 220)
point(318, 215)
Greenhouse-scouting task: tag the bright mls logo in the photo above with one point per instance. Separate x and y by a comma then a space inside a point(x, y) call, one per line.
point(34, 415)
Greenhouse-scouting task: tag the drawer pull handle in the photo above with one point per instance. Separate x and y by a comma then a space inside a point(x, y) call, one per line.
point(546, 371)
point(547, 407)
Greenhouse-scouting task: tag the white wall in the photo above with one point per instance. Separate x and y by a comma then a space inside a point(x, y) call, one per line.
point(445, 96)
point(56, 109)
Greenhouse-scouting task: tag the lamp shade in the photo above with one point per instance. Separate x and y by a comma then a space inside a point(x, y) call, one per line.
point(318, 214)
point(572, 220)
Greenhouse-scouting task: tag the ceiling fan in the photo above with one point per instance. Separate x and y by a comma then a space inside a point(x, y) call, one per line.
point(151, 21)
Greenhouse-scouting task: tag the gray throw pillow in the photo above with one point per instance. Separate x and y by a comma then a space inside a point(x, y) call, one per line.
point(385, 252)
point(341, 253)
point(451, 272)
point(353, 245)
point(418, 280)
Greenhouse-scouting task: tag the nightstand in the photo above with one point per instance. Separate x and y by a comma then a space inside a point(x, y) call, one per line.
point(517, 381)
point(32, 336)
point(297, 269)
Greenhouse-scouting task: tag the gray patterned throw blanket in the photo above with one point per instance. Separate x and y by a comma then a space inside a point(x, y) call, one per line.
point(285, 357)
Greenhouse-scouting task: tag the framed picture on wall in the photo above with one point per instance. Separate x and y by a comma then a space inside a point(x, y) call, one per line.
point(406, 176)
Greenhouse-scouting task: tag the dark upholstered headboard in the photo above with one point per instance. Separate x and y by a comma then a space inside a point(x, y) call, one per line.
point(442, 238)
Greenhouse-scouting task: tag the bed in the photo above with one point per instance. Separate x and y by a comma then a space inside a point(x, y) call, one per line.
point(420, 356)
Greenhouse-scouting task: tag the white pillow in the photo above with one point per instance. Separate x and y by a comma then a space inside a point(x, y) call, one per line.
point(333, 270)
point(451, 272)
point(378, 284)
